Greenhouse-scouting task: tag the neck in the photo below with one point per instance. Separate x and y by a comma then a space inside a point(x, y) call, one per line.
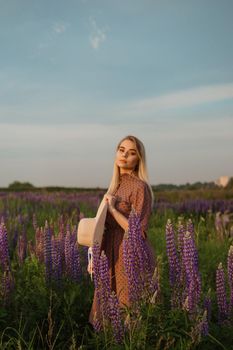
point(126, 171)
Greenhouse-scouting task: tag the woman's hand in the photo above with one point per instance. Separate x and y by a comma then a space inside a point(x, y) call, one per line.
point(90, 268)
point(111, 200)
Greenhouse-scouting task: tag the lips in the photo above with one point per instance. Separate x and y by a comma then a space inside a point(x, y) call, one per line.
point(123, 160)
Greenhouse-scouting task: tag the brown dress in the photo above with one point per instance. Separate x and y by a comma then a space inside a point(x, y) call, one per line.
point(131, 192)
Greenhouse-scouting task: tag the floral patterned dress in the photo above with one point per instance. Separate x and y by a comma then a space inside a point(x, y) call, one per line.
point(131, 192)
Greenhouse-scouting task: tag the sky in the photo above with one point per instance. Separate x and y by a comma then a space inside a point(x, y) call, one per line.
point(76, 76)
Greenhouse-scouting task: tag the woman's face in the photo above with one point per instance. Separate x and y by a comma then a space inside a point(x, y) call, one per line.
point(126, 156)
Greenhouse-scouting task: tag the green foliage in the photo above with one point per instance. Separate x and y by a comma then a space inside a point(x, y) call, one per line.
point(230, 184)
point(39, 316)
point(17, 185)
point(194, 186)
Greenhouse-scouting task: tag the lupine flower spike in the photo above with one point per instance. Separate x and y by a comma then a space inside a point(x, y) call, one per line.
point(230, 279)
point(221, 294)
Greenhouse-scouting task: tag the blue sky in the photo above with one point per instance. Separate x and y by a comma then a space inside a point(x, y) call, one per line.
point(77, 76)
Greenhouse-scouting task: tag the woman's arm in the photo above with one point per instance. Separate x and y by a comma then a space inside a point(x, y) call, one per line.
point(120, 218)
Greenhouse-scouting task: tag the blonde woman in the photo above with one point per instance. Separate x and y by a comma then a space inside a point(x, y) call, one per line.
point(129, 188)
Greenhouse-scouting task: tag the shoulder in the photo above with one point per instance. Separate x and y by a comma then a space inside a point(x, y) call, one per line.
point(140, 184)
point(141, 196)
point(140, 187)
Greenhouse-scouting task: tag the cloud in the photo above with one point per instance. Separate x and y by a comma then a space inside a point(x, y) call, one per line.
point(68, 136)
point(51, 33)
point(181, 99)
point(98, 35)
point(59, 27)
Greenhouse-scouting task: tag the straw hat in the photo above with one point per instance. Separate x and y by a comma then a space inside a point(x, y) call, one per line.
point(91, 230)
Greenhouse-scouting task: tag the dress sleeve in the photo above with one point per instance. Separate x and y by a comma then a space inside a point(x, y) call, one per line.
point(142, 205)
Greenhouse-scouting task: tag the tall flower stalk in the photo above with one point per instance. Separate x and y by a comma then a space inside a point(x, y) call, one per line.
point(221, 294)
point(193, 280)
point(7, 282)
point(115, 317)
point(173, 263)
point(137, 259)
point(184, 274)
point(47, 252)
point(4, 248)
point(108, 303)
point(230, 279)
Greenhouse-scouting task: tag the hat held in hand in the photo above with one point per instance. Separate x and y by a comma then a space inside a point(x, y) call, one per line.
point(91, 230)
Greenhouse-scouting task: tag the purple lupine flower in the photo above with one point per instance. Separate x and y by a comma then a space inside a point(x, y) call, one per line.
point(72, 260)
point(189, 257)
point(174, 267)
point(131, 268)
point(190, 229)
point(180, 245)
point(97, 325)
point(96, 276)
point(56, 261)
point(74, 235)
point(221, 293)
point(61, 237)
point(137, 258)
point(76, 267)
point(39, 244)
point(181, 232)
point(193, 280)
point(83, 253)
point(115, 317)
point(22, 248)
point(68, 254)
point(207, 305)
point(104, 285)
point(230, 277)
point(144, 255)
point(47, 252)
point(95, 257)
point(4, 248)
point(204, 326)
point(7, 285)
point(104, 271)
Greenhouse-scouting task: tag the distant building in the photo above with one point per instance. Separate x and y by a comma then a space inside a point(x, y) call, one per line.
point(222, 181)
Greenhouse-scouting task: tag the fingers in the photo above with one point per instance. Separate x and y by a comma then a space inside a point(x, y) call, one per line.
point(110, 199)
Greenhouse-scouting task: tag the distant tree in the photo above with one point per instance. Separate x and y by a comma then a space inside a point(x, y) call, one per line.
point(188, 186)
point(230, 184)
point(17, 185)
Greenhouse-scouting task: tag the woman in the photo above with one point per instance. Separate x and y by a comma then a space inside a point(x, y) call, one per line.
point(128, 189)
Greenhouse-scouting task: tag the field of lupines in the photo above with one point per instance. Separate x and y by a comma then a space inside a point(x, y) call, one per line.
point(46, 292)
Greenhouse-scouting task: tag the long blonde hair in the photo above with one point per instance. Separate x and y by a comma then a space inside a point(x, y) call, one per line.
point(140, 169)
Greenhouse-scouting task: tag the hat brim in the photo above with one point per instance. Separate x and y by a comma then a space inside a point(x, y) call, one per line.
point(90, 230)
